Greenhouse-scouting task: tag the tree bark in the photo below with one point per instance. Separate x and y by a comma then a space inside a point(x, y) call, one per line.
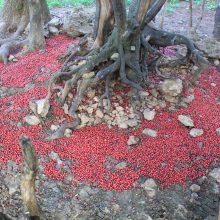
point(36, 36)
point(216, 31)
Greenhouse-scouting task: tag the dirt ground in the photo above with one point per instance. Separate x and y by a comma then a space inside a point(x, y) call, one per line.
point(63, 200)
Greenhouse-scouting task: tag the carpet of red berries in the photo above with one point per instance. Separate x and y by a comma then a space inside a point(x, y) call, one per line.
point(173, 157)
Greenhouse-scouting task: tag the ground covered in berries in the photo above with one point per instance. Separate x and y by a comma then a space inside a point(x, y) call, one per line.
point(95, 173)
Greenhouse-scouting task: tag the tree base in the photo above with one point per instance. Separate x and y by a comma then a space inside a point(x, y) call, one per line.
point(120, 59)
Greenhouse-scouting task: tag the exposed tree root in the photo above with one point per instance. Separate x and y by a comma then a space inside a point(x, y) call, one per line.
point(87, 75)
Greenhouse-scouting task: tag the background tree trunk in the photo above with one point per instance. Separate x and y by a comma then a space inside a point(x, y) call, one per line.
point(216, 31)
point(14, 15)
point(36, 36)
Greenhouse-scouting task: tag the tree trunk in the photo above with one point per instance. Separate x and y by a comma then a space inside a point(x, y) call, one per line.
point(36, 36)
point(216, 31)
point(14, 16)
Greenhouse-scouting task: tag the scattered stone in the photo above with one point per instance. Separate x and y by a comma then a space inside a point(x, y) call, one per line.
point(195, 188)
point(216, 62)
point(54, 127)
point(195, 132)
point(186, 120)
point(133, 140)
point(55, 22)
point(32, 120)
point(91, 93)
point(114, 56)
point(88, 75)
point(66, 109)
point(40, 107)
point(218, 131)
point(53, 30)
point(78, 22)
point(150, 132)
point(149, 115)
point(84, 119)
point(132, 123)
point(121, 165)
point(68, 133)
point(123, 125)
point(150, 186)
point(172, 87)
point(90, 110)
point(99, 113)
point(215, 173)
point(143, 94)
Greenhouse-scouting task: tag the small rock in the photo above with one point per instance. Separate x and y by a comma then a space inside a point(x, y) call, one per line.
point(195, 188)
point(186, 120)
point(14, 60)
point(218, 131)
point(213, 84)
point(32, 120)
point(99, 113)
point(133, 140)
point(123, 125)
point(150, 132)
point(84, 119)
point(67, 132)
point(88, 75)
point(216, 62)
point(132, 123)
point(172, 87)
point(133, 48)
point(54, 22)
point(143, 94)
point(90, 110)
point(114, 56)
point(149, 115)
point(121, 165)
point(150, 186)
point(195, 132)
point(91, 93)
point(54, 127)
point(53, 30)
point(11, 57)
point(215, 173)
point(66, 109)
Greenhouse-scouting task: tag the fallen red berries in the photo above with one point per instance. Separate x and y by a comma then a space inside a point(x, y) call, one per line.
point(173, 157)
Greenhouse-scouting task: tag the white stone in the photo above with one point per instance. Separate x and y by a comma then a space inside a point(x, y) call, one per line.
point(90, 110)
point(150, 186)
point(99, 113)
point(133, 140)
point(195, 132)
point(88, 75)
point(32, 120)
point(149, 115)
point(121, 165)
point(215, 173)
point(218, 131)
point(150, 132)
point(53, 30)
point(54, 127)
point(195, 188)
point(123, 125)
point(186, 120)
point(54, 22)
point(132, 123)
point(66, 109)
point(84, 119)
point(216, 62)
point(114, 56)
point(172, 87)
point(42, 107)
point(67, 132)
